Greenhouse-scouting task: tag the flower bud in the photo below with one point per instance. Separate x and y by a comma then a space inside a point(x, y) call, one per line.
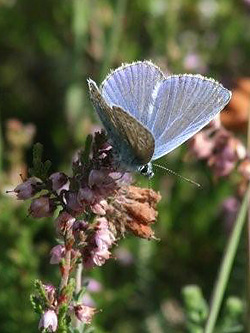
point(86, 195)
point(28, 188)
point(84, 313)
point(64, 222)
point(51, 293)
point(48, 321)
point(42, 207)
point(100, 207)
point(57, 253)
point(58, 180)
point(73, 202)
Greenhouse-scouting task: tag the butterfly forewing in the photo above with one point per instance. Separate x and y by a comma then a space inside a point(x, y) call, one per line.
point(131, 87)
point(133, 142)
point(184, 104)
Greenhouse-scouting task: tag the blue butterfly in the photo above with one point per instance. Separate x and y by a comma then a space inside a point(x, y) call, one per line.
point(147, 114)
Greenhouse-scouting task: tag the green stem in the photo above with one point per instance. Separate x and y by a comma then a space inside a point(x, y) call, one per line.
point(66, 269)
point(226, 266)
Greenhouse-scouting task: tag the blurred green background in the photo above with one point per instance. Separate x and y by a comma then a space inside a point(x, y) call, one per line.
point(47, 51)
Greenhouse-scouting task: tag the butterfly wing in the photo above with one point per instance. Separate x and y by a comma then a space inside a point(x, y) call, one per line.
point(132, 141)
point(182, 105)
point(131, 86)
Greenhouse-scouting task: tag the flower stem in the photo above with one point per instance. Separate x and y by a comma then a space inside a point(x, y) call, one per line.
point(79, 269)
point(226, 265)
point(66, 269)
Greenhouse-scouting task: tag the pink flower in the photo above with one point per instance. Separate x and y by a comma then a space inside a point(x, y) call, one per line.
point(103, 236)
point(201, 145)
point(42, 207)
point(86, 195)
point(100, 207)
point(51, 293)
point(64, 222)
point(84, 313)
point(28, 188)
point(48, 321)
point(97, 252)
point(225, 154)
point(58, 181)
point(103, 182)
point(73, 202)
point(57, 253)
point(99, 256)
point(93, 286)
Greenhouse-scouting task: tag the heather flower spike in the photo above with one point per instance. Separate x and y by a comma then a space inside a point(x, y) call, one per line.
point(96, 205)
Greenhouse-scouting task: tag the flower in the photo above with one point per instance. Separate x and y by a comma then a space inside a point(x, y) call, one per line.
point(28, 188)
point(57, 253)
point(244, 168)
point(51, 293)
point(135, 210)
point(64, 222)
point(84, 313)
point(73, 202)
point(59, 181)
point(100, 207)
point(227, 151)
point(48, 321)
point(93, 285)
point(42, 207)
point(201, 145)
point(97, 251)
point(103, 236)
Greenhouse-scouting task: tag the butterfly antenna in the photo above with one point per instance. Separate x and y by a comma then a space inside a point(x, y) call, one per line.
point(176, 174)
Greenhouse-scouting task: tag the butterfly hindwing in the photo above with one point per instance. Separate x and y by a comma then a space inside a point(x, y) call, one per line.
point(132, 141)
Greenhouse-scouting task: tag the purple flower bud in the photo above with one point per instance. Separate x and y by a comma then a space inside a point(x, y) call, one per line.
point(42, 207)
point(28, 188)
point(57, 253)
point(93, 286)
point(86, 195)
point(84, 313)
point(48, 321)
point(59, 180)
point(73, 202)
point(51, 292)
point(100, 256)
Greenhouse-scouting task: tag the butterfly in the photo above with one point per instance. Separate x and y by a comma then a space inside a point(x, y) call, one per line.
point(147, 114)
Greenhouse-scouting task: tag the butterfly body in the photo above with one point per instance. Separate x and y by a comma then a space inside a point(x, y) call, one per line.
point(147, 114)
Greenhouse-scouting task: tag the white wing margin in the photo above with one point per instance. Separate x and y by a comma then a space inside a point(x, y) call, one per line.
point(131, 86)
point(183, 105)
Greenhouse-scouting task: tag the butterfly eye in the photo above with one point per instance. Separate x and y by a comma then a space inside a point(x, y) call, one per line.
point(144, 169)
